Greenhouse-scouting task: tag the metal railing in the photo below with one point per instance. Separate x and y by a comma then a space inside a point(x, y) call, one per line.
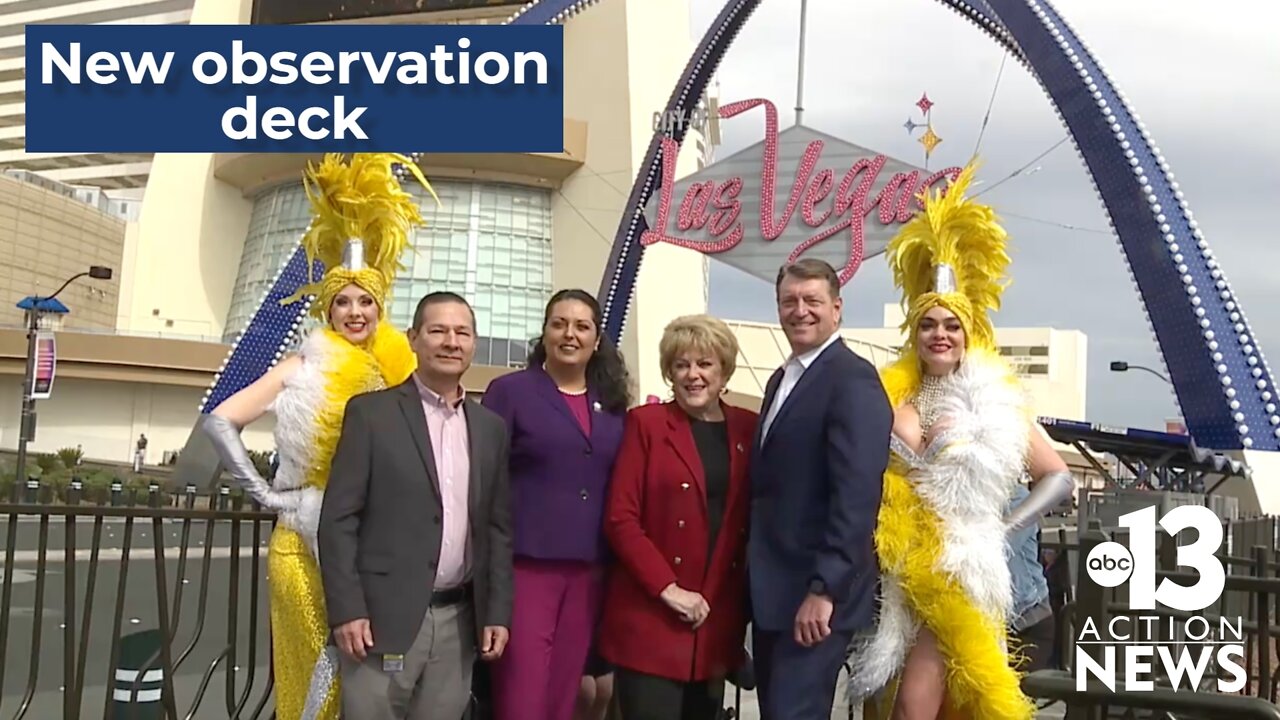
point(160, 596)
point(149, 603)
point(1060, 685)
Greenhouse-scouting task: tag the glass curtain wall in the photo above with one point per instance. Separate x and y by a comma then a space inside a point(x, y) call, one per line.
point(490, 243)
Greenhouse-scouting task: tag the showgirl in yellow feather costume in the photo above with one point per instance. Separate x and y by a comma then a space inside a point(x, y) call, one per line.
point(360, 226)
point(963, 438)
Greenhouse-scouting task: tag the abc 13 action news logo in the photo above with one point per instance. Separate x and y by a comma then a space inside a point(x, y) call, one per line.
point(1196, 647)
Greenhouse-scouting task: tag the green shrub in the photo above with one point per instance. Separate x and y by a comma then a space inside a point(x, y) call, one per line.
point(58, 483)
point(48, 462)
point(70, 456)
point(96, 485)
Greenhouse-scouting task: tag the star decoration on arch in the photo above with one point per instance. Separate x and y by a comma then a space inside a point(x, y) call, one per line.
point(929, 139)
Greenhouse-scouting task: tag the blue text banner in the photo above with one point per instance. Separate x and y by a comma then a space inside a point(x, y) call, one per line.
point(296, 89)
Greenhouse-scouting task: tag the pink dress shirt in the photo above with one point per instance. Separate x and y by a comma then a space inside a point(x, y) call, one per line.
point(447, 428)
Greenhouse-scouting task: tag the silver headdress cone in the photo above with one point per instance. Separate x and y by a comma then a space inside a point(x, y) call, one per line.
point(353, 254)
point(944, 279)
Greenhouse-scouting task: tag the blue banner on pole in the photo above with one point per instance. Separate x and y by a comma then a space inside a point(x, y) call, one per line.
point(296, 89)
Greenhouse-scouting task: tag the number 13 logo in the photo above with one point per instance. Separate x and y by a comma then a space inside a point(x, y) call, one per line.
point(1110, 564)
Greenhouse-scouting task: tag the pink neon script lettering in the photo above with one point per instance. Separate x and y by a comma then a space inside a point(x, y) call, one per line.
point(715, 208)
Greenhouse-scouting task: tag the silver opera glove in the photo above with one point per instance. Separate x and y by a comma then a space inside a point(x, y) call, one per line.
point(298, 508)
point(1051, 490)
point(225, 437)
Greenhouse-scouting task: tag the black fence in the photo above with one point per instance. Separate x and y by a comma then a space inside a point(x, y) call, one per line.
point(131, 604)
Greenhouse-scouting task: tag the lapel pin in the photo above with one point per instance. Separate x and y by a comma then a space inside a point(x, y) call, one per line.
point(739, 447)
point(595, 406)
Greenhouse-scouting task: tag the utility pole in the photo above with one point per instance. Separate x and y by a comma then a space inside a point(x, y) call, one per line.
point(27, 422)
point(804, 14)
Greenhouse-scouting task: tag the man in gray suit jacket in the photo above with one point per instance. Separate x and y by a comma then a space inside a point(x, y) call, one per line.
point(415, 532)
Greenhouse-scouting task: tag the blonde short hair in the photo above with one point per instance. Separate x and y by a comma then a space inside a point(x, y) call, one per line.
point(699, 333)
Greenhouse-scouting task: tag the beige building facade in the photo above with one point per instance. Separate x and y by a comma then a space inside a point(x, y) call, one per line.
point(1051, 363)
point(762, 349)
point(124, 175)
point(513, 227)
point(47, 235)
point(111, 387)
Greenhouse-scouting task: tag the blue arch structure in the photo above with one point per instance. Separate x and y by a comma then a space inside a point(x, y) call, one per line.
point(1220, 376)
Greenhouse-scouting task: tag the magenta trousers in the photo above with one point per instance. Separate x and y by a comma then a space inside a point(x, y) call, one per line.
point(553, 620)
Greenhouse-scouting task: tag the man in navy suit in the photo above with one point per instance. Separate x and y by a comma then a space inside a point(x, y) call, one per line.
point(816, 477)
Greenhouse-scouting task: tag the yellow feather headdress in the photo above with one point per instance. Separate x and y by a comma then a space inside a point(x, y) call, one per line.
point(952, 254)
point(361, 221)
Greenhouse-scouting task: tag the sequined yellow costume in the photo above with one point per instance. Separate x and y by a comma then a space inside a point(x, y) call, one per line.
point(308, 419)
point(360, 227)
point(941, 518)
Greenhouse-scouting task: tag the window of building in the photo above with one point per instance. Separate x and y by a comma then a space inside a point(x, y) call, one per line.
point(280, 216)
point(489, 243)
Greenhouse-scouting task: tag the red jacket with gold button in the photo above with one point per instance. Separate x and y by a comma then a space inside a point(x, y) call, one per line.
point(656, 522)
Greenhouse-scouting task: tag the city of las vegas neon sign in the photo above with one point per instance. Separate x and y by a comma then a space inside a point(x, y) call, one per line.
point(736, 199)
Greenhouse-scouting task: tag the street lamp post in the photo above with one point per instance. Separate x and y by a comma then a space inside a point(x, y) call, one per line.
point(1122, 366)
point(26, 425)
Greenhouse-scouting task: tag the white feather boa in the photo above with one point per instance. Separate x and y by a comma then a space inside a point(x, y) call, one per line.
point(296, 408)
point(966, 478)
point(971, 468)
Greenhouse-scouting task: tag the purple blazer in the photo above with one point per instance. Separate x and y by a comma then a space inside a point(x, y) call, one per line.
point(559, 475)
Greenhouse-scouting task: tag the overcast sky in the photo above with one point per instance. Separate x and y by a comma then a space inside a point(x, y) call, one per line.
point(1200, 74)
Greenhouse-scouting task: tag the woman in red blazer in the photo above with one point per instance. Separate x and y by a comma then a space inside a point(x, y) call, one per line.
point(675, 612)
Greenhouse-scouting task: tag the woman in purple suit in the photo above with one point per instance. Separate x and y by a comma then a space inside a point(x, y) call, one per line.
point(565, 415)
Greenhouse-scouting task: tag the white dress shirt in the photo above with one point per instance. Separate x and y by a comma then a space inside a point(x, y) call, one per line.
point(791, 374)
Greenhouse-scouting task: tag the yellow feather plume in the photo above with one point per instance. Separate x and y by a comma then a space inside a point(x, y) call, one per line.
point(964, 235)
point(358, 198)
point(981, 683)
